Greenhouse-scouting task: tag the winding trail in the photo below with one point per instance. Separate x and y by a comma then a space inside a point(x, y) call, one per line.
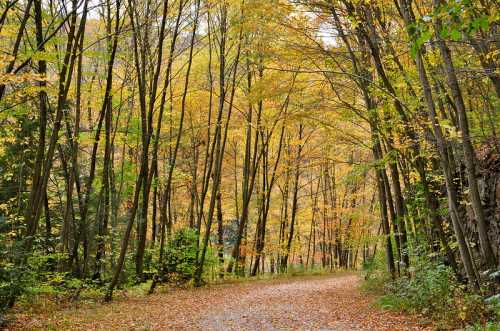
point(332, 302)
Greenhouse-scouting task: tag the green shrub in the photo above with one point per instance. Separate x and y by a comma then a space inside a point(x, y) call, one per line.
point(434, 292)
point(16, 279)
point(429, 289)
point(12, 285)
point(39, 275)
point(179, 263)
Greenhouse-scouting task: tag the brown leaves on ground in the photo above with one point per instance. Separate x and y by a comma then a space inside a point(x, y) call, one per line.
point(310, 303)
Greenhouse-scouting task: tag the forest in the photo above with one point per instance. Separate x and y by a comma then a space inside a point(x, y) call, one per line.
point(156, 145)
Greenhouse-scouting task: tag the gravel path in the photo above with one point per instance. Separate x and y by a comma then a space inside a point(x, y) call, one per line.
point(332, 303)
point(309, 303)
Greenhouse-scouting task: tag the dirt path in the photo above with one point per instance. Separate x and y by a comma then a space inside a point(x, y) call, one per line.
point(311, 303)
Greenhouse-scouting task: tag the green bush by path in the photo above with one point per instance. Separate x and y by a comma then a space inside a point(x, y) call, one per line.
point(432, 291)
point(180, 256)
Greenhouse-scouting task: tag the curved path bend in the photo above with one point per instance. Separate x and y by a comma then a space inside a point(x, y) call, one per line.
point(307, 303)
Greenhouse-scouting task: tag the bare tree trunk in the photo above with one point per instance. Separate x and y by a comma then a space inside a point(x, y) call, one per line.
point(284, 259)
point(220, 236)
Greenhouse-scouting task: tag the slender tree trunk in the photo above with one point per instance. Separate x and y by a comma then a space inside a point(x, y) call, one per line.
point(469, 155)
point(444, 159)
point(284, 261)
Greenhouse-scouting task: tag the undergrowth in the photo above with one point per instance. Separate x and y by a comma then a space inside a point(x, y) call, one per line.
point(432, 291)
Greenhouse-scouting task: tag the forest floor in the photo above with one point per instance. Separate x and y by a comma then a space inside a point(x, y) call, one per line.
point(333, 302)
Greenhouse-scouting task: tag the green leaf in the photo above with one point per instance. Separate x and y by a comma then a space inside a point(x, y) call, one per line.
point(455, 35)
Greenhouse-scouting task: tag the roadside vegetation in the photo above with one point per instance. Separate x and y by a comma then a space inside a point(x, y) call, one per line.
point(432, 291)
